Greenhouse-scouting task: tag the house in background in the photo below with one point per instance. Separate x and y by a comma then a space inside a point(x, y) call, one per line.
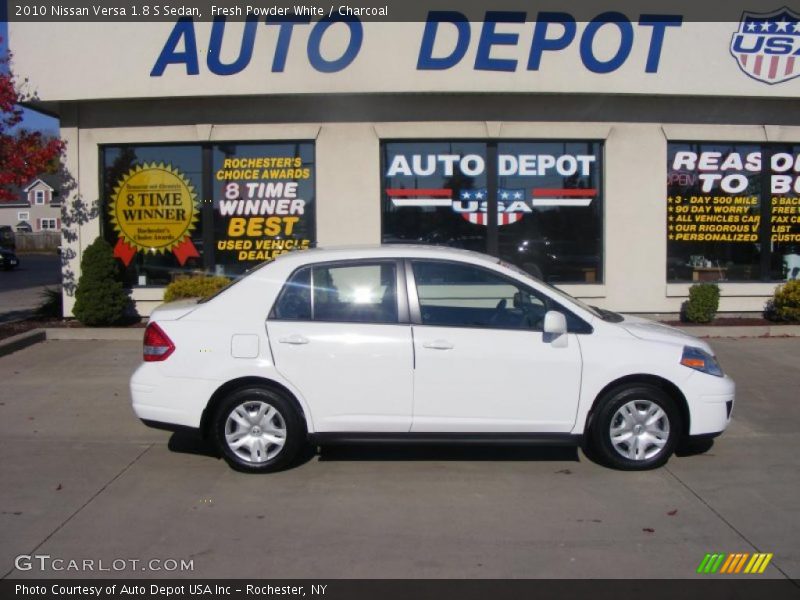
point(37, 207)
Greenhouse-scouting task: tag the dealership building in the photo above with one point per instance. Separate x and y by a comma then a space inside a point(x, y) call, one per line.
point(620, 157)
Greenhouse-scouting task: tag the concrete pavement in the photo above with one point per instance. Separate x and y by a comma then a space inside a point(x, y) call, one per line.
point(82, 479)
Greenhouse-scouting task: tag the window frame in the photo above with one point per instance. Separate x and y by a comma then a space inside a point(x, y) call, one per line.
point(38, 197)
point(46, 221)
point(401, 290)
point(415, 310)
point(24, 215)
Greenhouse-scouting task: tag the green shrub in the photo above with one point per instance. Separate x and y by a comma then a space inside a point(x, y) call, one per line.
point(703, 303)
point(100, 299)
point(51, 305)
point(785, 303)
point(194, 287)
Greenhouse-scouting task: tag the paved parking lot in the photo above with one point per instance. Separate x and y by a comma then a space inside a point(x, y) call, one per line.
point(82, 479)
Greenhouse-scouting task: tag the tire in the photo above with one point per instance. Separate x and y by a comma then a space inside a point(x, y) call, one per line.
point(256, 444)
point(643, 414)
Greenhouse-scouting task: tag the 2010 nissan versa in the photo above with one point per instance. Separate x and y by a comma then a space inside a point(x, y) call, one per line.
point(406, 343)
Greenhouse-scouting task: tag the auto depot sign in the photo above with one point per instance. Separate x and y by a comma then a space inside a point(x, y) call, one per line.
point(513, 51)
point(552, 32)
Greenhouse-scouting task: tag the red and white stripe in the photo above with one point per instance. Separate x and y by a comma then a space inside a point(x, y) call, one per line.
point(563, 196)
point(482, 218)
point(769, 68)
point(420, 197)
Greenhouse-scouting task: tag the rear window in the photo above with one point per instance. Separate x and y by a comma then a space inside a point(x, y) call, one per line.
point(341, 292)
point(294, 301)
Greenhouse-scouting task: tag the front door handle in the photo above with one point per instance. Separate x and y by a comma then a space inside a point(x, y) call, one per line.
point(295, 339)
point(438, 345)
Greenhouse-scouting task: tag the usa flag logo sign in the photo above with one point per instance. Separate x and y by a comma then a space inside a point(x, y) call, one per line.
point(471, 204)
point(767, 45)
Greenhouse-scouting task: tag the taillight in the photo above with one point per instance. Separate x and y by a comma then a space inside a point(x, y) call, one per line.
point(157, 345)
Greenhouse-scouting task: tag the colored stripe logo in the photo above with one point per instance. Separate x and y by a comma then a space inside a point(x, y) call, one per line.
point(563, 196)
point(731, 564)
point(420, 197)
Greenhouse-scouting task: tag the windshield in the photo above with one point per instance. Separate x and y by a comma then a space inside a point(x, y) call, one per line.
point(600, 313)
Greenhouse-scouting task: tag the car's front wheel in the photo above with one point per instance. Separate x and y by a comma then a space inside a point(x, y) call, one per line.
point(258, 430)
point(636, 427)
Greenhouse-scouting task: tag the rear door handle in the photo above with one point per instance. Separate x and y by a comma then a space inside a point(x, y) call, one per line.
point(438, 345)
point(295, 339)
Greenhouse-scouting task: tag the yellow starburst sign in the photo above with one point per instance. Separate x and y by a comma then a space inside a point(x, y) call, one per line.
point(153, 208)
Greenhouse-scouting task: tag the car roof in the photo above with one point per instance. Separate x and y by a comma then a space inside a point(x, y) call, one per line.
point(334, 253)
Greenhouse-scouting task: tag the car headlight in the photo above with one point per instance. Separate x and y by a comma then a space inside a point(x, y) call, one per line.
point(700, 360)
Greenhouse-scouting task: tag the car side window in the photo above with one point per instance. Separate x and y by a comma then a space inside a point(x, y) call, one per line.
point(357, 293)
point(294, 302)
point(458, 295)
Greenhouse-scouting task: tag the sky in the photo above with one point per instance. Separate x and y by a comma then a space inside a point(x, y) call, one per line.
point(31, 119)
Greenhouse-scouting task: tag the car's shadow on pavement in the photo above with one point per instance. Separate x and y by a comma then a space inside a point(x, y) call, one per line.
point(449, 452)
point(189, 443)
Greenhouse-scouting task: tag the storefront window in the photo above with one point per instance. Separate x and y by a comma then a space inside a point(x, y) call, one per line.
point(732, 212)
point(784, 176)
point(151, 200)
point(561, 238)
point(176, 209)
point(431, 190)
point(548, 197)
point(263, 202)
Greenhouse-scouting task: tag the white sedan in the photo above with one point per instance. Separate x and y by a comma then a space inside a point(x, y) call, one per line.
point(407, 343)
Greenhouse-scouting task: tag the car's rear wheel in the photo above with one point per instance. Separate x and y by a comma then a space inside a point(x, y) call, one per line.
point(636, 427)
point(258, 430)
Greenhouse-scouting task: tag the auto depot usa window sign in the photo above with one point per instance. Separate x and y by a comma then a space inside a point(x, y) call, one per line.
point(526, 182)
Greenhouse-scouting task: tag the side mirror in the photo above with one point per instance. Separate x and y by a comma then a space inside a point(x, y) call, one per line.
point(555, 323)
point(555, 329)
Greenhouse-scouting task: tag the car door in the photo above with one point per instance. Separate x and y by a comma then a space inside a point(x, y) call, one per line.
point(341, 336)
point(482, 361)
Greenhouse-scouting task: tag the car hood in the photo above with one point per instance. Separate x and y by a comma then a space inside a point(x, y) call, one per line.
point(646, 329)
point(172, 311)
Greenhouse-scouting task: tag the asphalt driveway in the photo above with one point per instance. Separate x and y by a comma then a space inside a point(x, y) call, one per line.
point(21, 288)
point(82, 479)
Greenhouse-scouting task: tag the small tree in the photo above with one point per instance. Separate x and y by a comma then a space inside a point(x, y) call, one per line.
point(194, 287)
point(785, 303)
point(703, 303)
point(23, 154)
point(100, 299)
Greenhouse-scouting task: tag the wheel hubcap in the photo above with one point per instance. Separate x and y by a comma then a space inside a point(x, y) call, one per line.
point(255, 431)
point(639, 430)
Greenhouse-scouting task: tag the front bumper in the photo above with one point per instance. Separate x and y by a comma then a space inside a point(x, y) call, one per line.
point(711, 400)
